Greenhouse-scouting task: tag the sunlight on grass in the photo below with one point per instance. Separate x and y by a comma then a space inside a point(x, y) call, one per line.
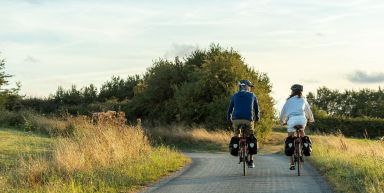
point(352, 165)
point(197, 139)
point(96, 158)
point(15, 145)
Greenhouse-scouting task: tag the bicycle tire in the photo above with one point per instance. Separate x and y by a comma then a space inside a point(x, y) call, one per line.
point(298, 159)
point(244, 167)
point(245, 158)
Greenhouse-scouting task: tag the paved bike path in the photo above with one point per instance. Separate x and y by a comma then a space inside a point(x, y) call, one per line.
point(221, 173)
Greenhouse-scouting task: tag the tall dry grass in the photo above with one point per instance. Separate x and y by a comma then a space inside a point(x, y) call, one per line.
point(351, 165)
point(53, 126)
point(196, 139)
point(96, 158)
point(100, 146)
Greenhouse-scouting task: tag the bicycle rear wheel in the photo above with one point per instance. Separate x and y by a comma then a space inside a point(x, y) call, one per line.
point(298, 159)
point(244, 166)
point(245, 157)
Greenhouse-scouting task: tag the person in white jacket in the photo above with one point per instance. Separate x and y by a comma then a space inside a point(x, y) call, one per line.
point(296, 111)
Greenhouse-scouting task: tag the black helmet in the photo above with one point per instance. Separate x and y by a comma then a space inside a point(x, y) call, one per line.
point(245, 83)
point(297, 87)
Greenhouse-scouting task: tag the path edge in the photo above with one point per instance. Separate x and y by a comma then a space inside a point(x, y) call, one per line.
point(166, 179)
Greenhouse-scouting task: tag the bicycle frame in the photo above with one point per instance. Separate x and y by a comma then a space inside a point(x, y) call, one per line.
point(298, 154)
point(243, 150)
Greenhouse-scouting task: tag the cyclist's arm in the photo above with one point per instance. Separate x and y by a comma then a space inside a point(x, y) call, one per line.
point(283, 117)
point(230, 109)
point(256, 109)
point(308, 113)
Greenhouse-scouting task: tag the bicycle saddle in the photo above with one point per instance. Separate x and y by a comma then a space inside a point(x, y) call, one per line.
point(242, 126)
point(298, 127)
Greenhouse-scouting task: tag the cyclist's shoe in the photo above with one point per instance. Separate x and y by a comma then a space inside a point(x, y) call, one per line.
point(292, 167)
point(250, 164)
point(240, 159)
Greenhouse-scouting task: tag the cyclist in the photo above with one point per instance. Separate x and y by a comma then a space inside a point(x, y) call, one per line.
point(296, 111)
point(244, 109)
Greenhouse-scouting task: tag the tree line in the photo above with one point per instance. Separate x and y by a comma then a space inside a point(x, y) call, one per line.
point(194, 90)
point(349, 103)
point(353, 113)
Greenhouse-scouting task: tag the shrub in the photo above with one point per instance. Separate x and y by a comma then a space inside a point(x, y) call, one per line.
point(11, 118)
point(363, 127)
point(31, 121)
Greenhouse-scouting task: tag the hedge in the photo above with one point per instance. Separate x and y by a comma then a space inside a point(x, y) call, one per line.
point(351, 127)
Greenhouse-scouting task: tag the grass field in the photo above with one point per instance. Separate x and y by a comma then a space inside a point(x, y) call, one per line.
point(94, 159)
point(15, 145)
point(108, 159)
point(350, 165)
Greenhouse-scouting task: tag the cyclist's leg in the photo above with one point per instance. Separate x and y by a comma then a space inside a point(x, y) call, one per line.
point(249, 131)
point(301, 133)
point(291, 133)
point(236, 124)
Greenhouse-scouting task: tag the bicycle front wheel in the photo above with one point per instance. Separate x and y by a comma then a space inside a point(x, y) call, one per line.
point(244, 166)
point(245, 157)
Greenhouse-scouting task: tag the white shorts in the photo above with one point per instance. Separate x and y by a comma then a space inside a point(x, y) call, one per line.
point(296, 120)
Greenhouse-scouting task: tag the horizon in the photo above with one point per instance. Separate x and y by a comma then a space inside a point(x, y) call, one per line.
point(316, 43)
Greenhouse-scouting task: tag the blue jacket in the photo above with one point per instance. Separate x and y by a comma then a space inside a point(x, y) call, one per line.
point(243, 105)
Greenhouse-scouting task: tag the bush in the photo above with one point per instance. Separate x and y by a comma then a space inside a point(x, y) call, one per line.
point(31, 121)
point(352, 127)
point(54, 127)
point(11, 118)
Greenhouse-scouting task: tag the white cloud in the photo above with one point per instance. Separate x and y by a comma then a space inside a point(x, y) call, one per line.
point(79, 42)
point(359, 76)
point(31, 59)
point(180, 50)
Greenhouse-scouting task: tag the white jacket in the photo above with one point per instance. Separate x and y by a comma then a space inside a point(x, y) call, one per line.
point(296, 106)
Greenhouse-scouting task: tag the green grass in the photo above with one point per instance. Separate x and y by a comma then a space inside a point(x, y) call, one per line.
point(15, 145)
point(350, 165)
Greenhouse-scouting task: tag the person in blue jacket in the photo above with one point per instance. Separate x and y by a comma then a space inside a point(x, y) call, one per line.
point(244, 110)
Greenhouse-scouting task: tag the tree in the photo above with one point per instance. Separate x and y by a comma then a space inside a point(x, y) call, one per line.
point(89, 94)
point(9, 97)
point(3, 76)
point(196, 91)
point(118, 88)
point(155, 99)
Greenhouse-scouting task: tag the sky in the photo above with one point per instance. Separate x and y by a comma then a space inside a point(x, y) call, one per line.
point(50, 43)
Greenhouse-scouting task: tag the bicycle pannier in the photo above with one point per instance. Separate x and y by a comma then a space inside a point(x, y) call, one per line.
point(252, 144)
point(289, 146)
point(234, 146)
point(307, 146)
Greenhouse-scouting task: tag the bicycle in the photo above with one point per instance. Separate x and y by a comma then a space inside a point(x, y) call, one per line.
point(243, 150)
point(297, 156)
